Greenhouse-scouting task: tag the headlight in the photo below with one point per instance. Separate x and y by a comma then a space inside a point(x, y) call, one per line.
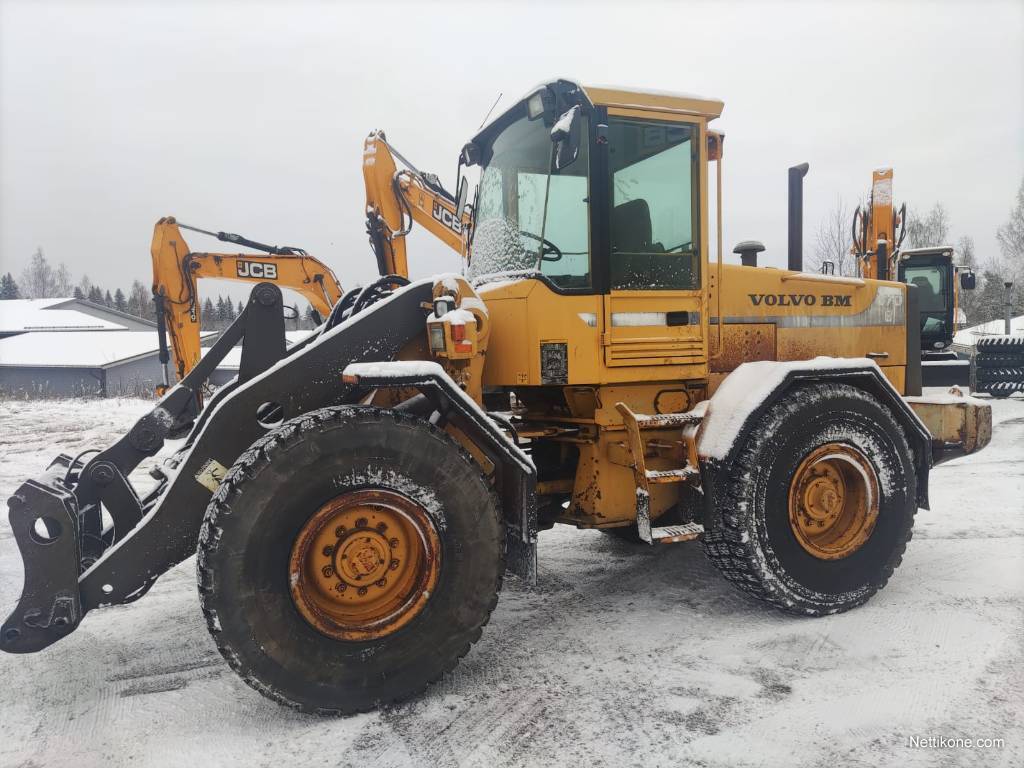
point(437, 338)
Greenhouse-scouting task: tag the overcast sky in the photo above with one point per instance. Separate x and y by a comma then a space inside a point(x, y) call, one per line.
point(250, 118)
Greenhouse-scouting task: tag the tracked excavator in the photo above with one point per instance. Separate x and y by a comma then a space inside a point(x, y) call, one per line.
point(878, 233)
point(355, 500)
point(396, 197)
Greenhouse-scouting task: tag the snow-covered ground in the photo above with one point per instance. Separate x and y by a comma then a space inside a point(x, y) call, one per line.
point(623, 655)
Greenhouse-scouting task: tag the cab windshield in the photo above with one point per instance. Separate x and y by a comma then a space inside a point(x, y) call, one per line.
point(529, 216)
point(931, 281)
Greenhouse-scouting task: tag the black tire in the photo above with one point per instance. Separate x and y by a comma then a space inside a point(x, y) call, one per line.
point(273, 490)
point(1001, 344)
point(748, 536)
point(991, 358)
point(1001, 374)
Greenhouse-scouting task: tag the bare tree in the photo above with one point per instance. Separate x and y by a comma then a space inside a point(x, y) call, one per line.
point(63, 282)
point(1011, 239)
point(38, 280)
point(832, 242)
point(925, 230)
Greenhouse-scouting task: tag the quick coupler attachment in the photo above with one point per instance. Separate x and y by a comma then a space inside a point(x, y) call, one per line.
point(44, 518)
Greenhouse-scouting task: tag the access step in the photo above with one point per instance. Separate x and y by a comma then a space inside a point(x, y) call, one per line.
point(673, 534)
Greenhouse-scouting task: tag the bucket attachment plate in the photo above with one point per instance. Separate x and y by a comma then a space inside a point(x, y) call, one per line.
point(44, 518)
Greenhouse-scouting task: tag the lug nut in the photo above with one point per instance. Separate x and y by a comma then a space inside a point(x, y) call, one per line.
point(393, 565)
point(393, 543)
point(328, 550)
point(361, 522)
point(382, 582)
point(339, 531)
point(382, 527)
point(362, 591)
point(341, 586)
point(327, 571)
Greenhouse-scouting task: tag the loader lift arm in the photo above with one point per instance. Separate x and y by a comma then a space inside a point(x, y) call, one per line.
point(177, 270)
point(397, 198)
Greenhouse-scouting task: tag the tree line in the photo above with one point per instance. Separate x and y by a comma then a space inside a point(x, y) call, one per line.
point(833, 243)
point(40, 280)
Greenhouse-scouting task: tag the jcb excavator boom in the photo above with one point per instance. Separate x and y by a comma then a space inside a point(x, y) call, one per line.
point(177, 270)
point(396, 198)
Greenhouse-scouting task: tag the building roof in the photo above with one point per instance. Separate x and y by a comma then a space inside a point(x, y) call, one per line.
point(20, 315)
point(968, 337)
point(78, 349)
point(233, 359)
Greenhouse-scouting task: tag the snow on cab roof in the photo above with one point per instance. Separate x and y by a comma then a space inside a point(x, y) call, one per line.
point(19, 315)
point(81, 349)
point(651, 98)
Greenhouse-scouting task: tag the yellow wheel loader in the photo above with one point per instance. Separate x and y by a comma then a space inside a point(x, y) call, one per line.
point(355, 500)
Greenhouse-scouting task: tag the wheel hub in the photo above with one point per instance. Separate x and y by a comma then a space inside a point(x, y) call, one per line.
point(364, 564)
point(833, 501)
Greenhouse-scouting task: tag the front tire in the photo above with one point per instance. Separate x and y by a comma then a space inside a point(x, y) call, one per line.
point(389, 610)
point(814, 512)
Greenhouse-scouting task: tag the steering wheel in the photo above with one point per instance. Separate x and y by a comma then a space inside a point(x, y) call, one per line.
point(547, 247)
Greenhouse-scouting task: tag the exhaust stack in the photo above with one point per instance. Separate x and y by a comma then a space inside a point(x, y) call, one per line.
point(796, 216)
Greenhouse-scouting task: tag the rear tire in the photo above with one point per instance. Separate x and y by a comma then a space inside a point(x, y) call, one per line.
point(270, 495)
point(751, 536)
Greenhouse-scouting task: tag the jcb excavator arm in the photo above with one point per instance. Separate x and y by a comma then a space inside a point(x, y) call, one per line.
point(396, 198)
point(177, 270)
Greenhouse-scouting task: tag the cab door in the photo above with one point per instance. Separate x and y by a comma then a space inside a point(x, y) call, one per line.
point(654, 309)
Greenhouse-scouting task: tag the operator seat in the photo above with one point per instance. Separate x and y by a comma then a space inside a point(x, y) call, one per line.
point(631, 244)
point(636, 261)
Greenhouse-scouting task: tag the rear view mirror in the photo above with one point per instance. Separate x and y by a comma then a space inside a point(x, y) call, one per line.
point(566, 135)
point(968, 281)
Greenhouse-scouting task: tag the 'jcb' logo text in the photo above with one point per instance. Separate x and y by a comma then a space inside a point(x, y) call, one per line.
point(447, 218)
point(258, 269)
point(798, 300)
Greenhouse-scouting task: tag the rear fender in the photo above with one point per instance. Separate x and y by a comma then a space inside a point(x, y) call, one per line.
point(749, 391)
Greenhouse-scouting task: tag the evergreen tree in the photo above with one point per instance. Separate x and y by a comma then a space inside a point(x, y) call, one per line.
point(96, 295)
point(221, 312)
point(78, 292)
point(296, 317)
point(9, 288)
point(209, 315)
point(85, 286)
point(241, 307)
point(229, 310)
point(120, 303)
point(108, 300)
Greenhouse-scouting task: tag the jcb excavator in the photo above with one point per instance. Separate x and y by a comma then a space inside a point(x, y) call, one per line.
point(354, 500)
point(394, 200)
point(932, 270)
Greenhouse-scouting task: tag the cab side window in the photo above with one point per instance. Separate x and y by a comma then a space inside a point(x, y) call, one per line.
point(653, 175)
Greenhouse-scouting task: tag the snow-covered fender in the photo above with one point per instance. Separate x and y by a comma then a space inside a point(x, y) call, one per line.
point(750, 390)
point(515, 474)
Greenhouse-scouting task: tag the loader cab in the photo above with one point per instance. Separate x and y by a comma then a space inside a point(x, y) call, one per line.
point(932, 272)
point(623, 223)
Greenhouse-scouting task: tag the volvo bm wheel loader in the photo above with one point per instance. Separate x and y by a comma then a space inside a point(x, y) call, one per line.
point(356, 499)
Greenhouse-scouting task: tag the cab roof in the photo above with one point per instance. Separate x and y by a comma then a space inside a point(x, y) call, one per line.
point(665, 101)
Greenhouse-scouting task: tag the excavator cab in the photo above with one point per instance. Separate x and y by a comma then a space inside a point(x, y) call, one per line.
point(932, 272)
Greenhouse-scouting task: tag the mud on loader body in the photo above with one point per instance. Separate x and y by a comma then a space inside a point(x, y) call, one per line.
point(355, 500)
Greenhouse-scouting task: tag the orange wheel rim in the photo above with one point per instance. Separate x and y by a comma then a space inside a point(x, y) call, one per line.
point(833, 501)
point(364, 565)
